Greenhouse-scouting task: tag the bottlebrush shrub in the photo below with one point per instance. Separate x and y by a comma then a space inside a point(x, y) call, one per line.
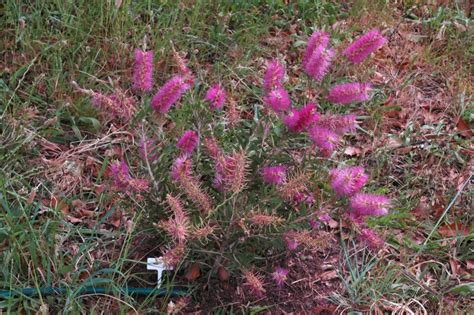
point(230, 189)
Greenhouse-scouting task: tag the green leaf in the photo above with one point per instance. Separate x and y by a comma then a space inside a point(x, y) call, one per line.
point(464, 289)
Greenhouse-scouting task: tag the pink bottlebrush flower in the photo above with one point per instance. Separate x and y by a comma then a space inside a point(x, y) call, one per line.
point(169, 94)
point(218, 182)
point(233, 171)
point(120, 174)
point(183, 69)
point(138, 185)
point(347, 93)
point(216, 96)
point(254, 282)
point(316, 44)
point(181, 169)
point(212, 147)
point(273, 76)
point(315, 224)
point(340, 124)
point(148, 150)
point(178, 228)
point(172, 256)
point(181, 172)
point(348, 180)
point(364, 46)
point(291, 120)
point(278, 99)
point(369, 204)
point(275, 175)
point(318, 65)
point(188, 142)
point(301, 119)
point(143, 70)
point(280, 275)
point(324, 218)
point(117, 105)
point(325, 139)
point(291, 242)
point(123, 180)
point(371, 239)
point(307, 198)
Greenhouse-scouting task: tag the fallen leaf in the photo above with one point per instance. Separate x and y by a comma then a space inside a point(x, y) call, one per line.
point(470, 264)
point(352, 151)
point(454, 266)
point(454, 229)
point(464, 129)
point(193, 273)
point(328, 275)
point(223, 274)
point(73, 219)
point(116, 218)
point(421, 210)
point(58, 204)
point(31, 197)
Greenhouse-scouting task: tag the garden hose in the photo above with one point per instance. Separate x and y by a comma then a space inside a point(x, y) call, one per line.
point(32, 292)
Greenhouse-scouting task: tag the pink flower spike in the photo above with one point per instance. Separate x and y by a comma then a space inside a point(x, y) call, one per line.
point(148, 150)
point(340, 124)
point(278, 99)
point(316, 44)
point(364, 46)
point(280, 275)
point(273, 76)
point(318, 64)
point(371, 239)
point(292, 244)
point(301, 119)
point(143, 70)
point(181, 169)
point(120, 174)
point(123, 180)
point(188, 142)
point(326, 140)
point(216, 96)
point(369, 204)
point(169, 94)
point(348, 180)
point(347, 93)
point(275, 175)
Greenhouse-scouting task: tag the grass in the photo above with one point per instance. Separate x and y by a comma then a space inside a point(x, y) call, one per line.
point(48, 44)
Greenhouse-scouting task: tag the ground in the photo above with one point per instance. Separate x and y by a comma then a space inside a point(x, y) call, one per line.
point(57, 226)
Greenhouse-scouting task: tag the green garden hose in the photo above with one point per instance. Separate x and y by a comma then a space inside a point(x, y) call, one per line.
point(32, 292)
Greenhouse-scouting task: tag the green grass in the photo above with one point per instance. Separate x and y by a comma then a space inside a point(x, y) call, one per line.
point(48, 44)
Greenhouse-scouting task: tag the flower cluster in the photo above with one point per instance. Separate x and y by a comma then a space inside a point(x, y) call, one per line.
point(123, 180)
point(275, 175)
point(117, 105)
point(261, 182)
point(169, 94)
point(216, 96)
point(347, 93)
point(348, 180)
point(369, 204)
point(278, 100)
point(188, 142)
point(274, 76)
point(317, 58)
point(299, 120)
point(143, 71)
point(364, 46)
